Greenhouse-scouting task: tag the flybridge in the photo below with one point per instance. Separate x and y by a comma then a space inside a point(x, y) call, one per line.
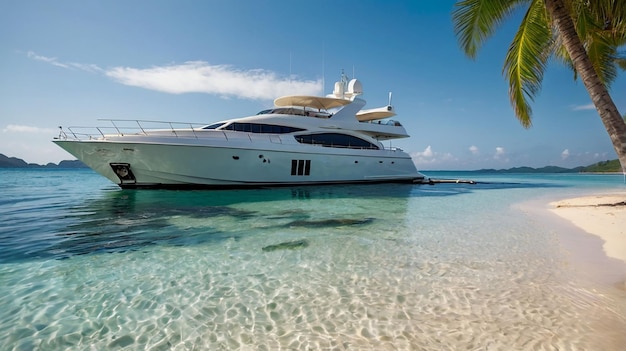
point(344, 93)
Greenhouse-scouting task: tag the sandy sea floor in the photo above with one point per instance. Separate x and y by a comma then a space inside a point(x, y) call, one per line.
point(342, 268)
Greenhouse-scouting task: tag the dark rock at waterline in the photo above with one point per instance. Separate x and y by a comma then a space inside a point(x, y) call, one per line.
point(329, 222)
point(289, 245)
point(213, 211)
point(622, 203)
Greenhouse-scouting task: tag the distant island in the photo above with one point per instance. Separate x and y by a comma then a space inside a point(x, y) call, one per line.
point(610, 166)
point(14, 162)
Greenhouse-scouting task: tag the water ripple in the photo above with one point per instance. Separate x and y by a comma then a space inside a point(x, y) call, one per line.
point(84, 265)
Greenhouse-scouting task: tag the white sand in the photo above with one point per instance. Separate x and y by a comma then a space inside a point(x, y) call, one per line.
point(607, 222)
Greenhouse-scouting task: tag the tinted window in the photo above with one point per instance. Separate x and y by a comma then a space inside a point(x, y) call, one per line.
point(335, 140)
point(261, 128)
point(213, 126)
point(284, 111)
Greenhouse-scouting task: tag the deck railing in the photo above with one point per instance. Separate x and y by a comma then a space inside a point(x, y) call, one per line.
point(121, 127)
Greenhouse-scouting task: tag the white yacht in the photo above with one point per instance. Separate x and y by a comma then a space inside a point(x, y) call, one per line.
point(303, 140)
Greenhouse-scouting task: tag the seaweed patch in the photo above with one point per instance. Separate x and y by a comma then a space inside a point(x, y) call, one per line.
point(329, 222)
point(289, 245)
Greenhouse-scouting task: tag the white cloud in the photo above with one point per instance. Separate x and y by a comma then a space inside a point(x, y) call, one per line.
point(427, 153)
point(499, 152)
point(200, 77)
point(50, 60)
point(86, 67)
point(224, 80)
point(565, 154)
point(14, 128)
point(430, 157)
point(584, 107)
point(68, 65)
point(474, 150)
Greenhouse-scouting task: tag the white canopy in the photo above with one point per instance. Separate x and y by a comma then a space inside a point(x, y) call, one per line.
point(375, 114)
point(320, 103)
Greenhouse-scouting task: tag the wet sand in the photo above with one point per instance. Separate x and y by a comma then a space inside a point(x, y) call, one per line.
point(601, 215)
point(604, 216)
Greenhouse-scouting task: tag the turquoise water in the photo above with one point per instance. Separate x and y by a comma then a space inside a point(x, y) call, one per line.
point(87, 266)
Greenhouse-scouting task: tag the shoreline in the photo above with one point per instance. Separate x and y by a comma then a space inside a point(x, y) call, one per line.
point(604, 217)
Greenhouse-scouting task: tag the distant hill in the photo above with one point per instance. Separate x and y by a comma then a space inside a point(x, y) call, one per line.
point(604, 166)
point(547, 169)
point(612, 166)
point(14, 162)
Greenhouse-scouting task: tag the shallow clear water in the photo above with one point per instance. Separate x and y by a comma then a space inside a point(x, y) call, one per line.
point(85, 265)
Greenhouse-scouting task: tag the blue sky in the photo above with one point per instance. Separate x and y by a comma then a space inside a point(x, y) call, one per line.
point(68, 63)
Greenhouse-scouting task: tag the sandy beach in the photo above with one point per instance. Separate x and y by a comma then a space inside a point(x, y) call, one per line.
point(603, 215)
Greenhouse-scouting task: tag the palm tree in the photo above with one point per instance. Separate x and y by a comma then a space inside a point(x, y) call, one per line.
point(585, 35)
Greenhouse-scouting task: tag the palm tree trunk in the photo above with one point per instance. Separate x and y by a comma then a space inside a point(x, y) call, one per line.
point(613, 122)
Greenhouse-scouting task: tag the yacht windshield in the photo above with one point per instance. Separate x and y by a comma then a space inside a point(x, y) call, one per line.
point(283, 111)
point(295, 112)
point(214, 125)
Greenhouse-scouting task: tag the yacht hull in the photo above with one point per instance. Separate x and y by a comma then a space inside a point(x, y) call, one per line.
point(138, 164)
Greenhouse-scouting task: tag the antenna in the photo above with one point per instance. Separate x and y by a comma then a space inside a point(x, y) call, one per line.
point(323, 68)
point(290, 66)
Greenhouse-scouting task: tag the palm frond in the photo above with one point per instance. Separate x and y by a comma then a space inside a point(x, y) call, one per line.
point(585, 21)
point(598, 26)
point(476, 20)
point(603, 56)
point(612, 17)
point(561, 54)
point(601, 30)
point(621, 62)
point(526, 60)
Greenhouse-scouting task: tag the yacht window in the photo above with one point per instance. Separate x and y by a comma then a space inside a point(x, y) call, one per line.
point(283, 111)
point(295, 112)
point(214, 126)
point(336, 140)
point(261, 128)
